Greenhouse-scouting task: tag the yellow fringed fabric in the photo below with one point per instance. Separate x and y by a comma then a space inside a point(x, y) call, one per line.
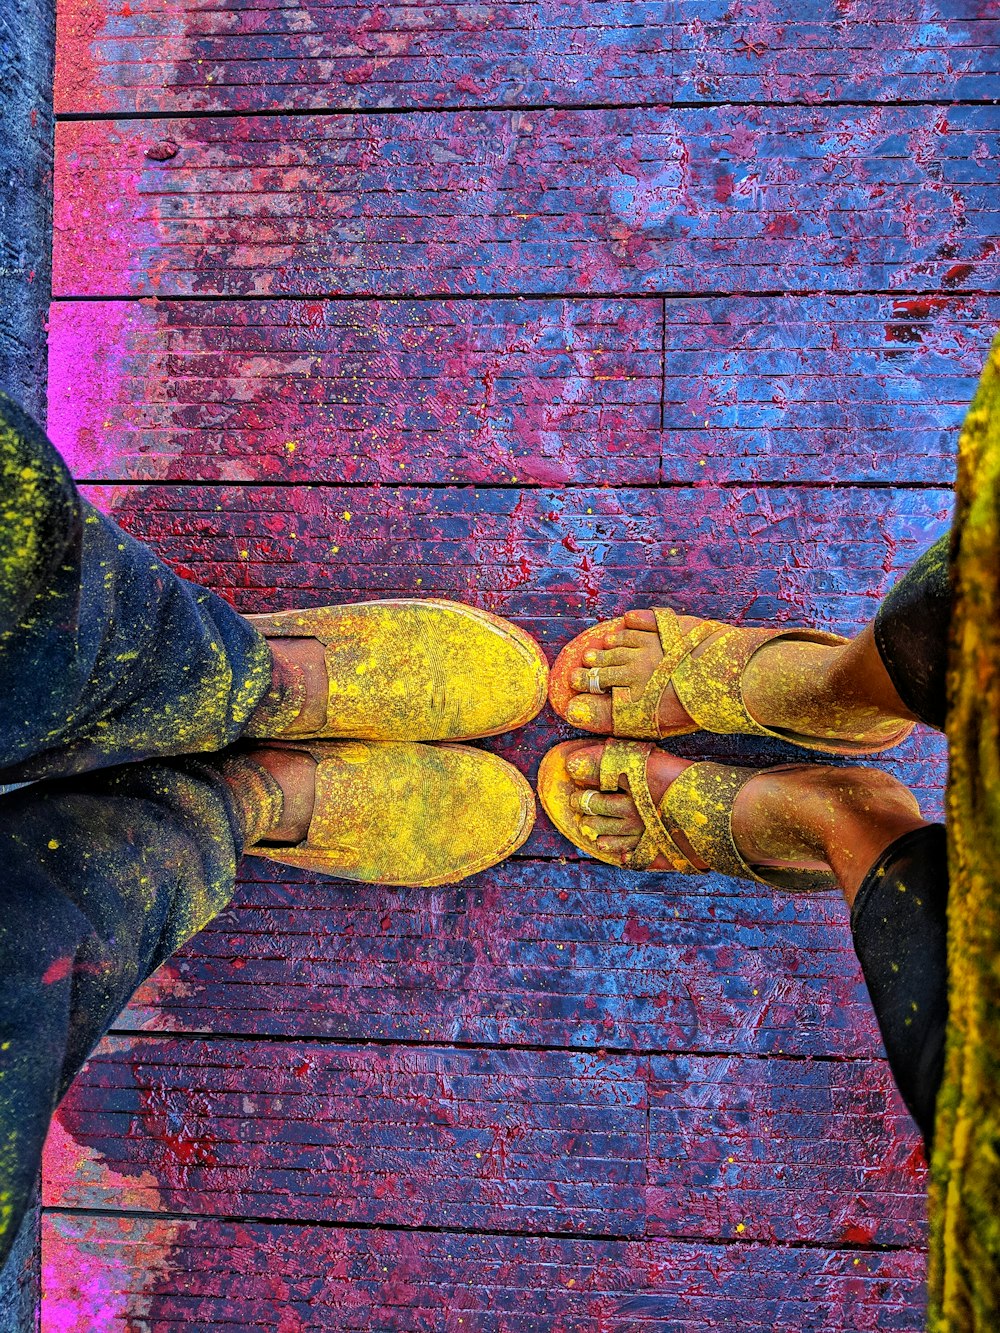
point(964, 1204)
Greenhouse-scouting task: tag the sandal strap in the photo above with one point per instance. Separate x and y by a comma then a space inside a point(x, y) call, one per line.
point(640, 717)
point(699, 804)
point(627, 759)
point(709, 686)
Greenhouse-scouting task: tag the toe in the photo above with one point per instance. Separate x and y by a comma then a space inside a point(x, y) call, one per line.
point(616, 846)
point(590, 711)
point(584, 766)
point(611, 657)
point(616, 805)
point(594, 826)
point(609, 678)
point(640, 620)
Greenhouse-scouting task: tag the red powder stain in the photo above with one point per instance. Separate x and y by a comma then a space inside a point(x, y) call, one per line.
point(55, 971)
point(467, 84)
point(958, 273)
point(782, 225)
point(34, 117)
point(724, 183)
point(920, 306)
point(301, 1070)
point(857, 1235)
point(386, 922)
point(361, 74)
point(635, 931)
point(903, 333)
point(544, 470)
point(308, 315)
point(126, 11)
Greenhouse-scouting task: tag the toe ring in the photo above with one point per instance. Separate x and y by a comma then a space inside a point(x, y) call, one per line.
point(585, 800)
point(594, 681)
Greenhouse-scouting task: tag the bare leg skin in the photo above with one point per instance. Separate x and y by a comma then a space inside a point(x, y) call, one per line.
point(308, 657)
point(295, 773)
point(810, 815)
point(806, 687)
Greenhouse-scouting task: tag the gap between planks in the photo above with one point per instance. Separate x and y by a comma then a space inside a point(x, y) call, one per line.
point(595, 1237)
point(414, 1043)
point(70, 117)
point(666, 485)
point(702, 294)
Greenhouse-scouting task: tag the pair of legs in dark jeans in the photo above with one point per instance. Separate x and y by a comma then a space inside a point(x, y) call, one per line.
point(114, 673)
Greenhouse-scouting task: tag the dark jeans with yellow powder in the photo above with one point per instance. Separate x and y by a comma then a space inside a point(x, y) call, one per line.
point(899, 918)
point(108, 864)
point(115, 675)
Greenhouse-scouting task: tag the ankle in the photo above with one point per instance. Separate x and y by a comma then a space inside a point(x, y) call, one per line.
point(274, 790)
point(873, 813)
point(282, 706)
point(294, 771)
point(844, 818)
point(822, 690)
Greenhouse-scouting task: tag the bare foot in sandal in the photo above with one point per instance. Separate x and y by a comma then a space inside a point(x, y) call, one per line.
point(655, 674)
point(799, 826)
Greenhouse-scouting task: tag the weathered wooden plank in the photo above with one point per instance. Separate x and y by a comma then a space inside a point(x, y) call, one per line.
point(531, 954)
point(725, 199)
point(356, 1134)
point(513, 1140)
point(749, 1141)
point(183, 55)
point(552, 557)
point(827, 388)
point(175, 1275)
point(835, 388)
point(358, 391)
point(824, 50)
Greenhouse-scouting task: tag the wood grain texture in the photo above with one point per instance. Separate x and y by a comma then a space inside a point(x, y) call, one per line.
point(823, 388)
point(613, 202)
point(553, 558)
point(295, 1278)
point(831, 388)
point(534, 953)
point(522, 1141)
point(183, 55)
point(361, 391)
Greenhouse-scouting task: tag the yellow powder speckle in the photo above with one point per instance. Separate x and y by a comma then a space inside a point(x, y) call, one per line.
point(244, 555)
point(53, 844)
point(290, 446)
point(347, 516)
point(740, 1227)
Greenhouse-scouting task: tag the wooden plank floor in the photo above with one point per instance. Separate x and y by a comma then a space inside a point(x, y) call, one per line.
point(554, 307)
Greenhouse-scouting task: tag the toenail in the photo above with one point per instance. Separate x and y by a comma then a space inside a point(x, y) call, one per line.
point(576, 766)
point(578, 711)
point(589, 658)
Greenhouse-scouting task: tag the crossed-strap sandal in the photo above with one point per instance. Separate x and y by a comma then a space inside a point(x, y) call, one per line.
point(396, 813)
point(708, 686)
point(697, 806)
point(418, 669)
